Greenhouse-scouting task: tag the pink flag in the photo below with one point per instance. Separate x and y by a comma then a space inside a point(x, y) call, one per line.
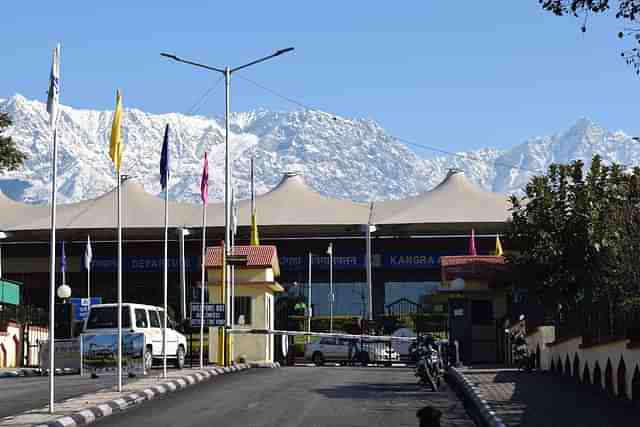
point(472, 244)
point(204, 184)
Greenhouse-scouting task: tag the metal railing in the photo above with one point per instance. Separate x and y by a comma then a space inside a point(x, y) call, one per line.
point(22, 314)
point(597, 322)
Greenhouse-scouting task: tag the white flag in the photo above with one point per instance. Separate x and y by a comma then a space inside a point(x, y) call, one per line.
point(53, 97)
point(234, 213)
point(88, 255)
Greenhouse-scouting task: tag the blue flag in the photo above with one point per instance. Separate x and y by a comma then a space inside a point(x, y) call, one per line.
point(164, 160)
point(63, 260)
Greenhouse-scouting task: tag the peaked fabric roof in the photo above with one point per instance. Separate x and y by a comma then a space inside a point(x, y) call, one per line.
point(13, 213)
point(291, 203)
point(257, 256)
point(139, 210)
point(454, 200)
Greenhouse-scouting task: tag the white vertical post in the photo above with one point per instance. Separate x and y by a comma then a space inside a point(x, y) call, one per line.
point(52, 275)
point(227, 207)
point(164, 281)
point(369, 281)
point(331, 298)
point(119, 281)
point(202, 282)
point(183, 276)
point(310, 313)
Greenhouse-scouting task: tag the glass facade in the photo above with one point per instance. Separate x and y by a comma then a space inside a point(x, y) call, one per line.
point(350, 299)
point(416, 292)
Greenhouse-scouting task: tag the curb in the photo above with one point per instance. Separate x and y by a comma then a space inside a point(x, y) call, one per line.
point(110, 407)
point(474, 395)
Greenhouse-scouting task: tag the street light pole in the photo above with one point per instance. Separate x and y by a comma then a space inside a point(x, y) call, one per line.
point(227, 71)
point(309, 312)
point(331, 298)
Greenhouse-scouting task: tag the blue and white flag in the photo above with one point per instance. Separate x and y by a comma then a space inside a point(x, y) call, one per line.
point(63, 259)
point(88, 255)
point(164, 160)
point(53, 94)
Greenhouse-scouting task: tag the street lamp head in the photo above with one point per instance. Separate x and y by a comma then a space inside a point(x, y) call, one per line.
point(170, 56)
point(3, 235)
point(64, 291)
point(281, 51)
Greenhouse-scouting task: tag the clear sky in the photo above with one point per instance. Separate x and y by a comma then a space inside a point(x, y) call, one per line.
point(456, 75)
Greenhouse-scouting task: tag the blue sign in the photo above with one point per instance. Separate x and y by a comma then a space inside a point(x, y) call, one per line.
point(82, 306)
point(144, 264)
point(399, 261)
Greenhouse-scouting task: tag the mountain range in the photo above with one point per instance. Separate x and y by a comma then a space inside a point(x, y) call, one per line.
point(339, 157)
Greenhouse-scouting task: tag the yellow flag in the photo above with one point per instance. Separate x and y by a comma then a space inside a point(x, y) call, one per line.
point(499, 251)
point(255, 241)
point(115, 150)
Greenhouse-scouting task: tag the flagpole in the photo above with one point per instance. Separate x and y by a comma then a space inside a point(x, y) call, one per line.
point(88, 273)
point(202, 282)
point(119, 281)
point(164, 280)
point(52, 287)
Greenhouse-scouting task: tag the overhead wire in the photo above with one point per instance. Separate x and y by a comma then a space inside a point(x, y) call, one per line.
point(403, 140)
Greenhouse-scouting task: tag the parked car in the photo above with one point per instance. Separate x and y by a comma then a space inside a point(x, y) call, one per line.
point(332, 349)
point(141, 318)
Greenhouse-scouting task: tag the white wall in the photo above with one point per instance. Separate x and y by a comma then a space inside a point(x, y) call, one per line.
point(613, 352)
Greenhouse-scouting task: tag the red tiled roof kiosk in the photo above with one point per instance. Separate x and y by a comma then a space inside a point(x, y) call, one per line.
point(255, 286)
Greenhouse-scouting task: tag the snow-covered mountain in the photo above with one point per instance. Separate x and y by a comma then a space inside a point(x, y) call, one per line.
point(339, 157)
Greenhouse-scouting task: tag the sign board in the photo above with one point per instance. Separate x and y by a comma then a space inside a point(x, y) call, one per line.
point(9, 292)
point(100, 353)
point(214, 314)
point(143, 264)
point(82, 306)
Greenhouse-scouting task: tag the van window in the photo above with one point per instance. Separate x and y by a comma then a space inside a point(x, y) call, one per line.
point(107, 318)
point(154, 319)
point(141, 318)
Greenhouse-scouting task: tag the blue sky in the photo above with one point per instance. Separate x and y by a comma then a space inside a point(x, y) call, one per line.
point(492, 74)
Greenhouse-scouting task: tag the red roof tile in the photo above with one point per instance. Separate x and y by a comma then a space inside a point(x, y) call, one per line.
point(257, 256)
point(450, 261)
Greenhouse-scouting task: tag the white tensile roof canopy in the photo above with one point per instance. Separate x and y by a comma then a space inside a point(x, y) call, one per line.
point(291, 203)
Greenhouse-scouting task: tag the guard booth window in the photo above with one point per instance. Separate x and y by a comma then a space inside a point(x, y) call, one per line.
point(242, 310)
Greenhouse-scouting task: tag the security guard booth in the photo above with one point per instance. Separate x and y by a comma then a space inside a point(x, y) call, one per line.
point(477, 301)
point(254, 302)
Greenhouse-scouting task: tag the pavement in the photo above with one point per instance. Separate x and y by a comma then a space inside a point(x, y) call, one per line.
point(82, 400)
point(546, 400)
point(300, 395)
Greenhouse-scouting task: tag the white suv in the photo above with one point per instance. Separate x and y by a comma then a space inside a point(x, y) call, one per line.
point(141, 318)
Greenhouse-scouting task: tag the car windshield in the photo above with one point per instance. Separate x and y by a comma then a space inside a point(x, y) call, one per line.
point(107, 318)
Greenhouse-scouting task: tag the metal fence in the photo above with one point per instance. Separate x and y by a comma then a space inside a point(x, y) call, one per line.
point(22, 314)
point(597, 322)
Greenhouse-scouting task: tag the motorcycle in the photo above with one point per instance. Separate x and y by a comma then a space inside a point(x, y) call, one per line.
point(521, 355)
point(429, 365)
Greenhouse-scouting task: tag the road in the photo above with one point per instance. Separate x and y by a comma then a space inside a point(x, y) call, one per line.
point(295, 396)
point(25, 393)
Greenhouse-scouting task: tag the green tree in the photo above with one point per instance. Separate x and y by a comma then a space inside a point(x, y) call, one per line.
point(578, 235)
point(10, 157)
point(628, 11)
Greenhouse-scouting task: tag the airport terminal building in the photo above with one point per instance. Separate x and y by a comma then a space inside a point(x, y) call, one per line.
point(411, 237)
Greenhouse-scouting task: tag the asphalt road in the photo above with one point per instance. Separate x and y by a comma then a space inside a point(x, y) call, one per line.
point(25, 393)
point(296, 396)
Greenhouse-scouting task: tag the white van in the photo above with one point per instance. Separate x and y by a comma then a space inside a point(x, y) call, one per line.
point(141, 318)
